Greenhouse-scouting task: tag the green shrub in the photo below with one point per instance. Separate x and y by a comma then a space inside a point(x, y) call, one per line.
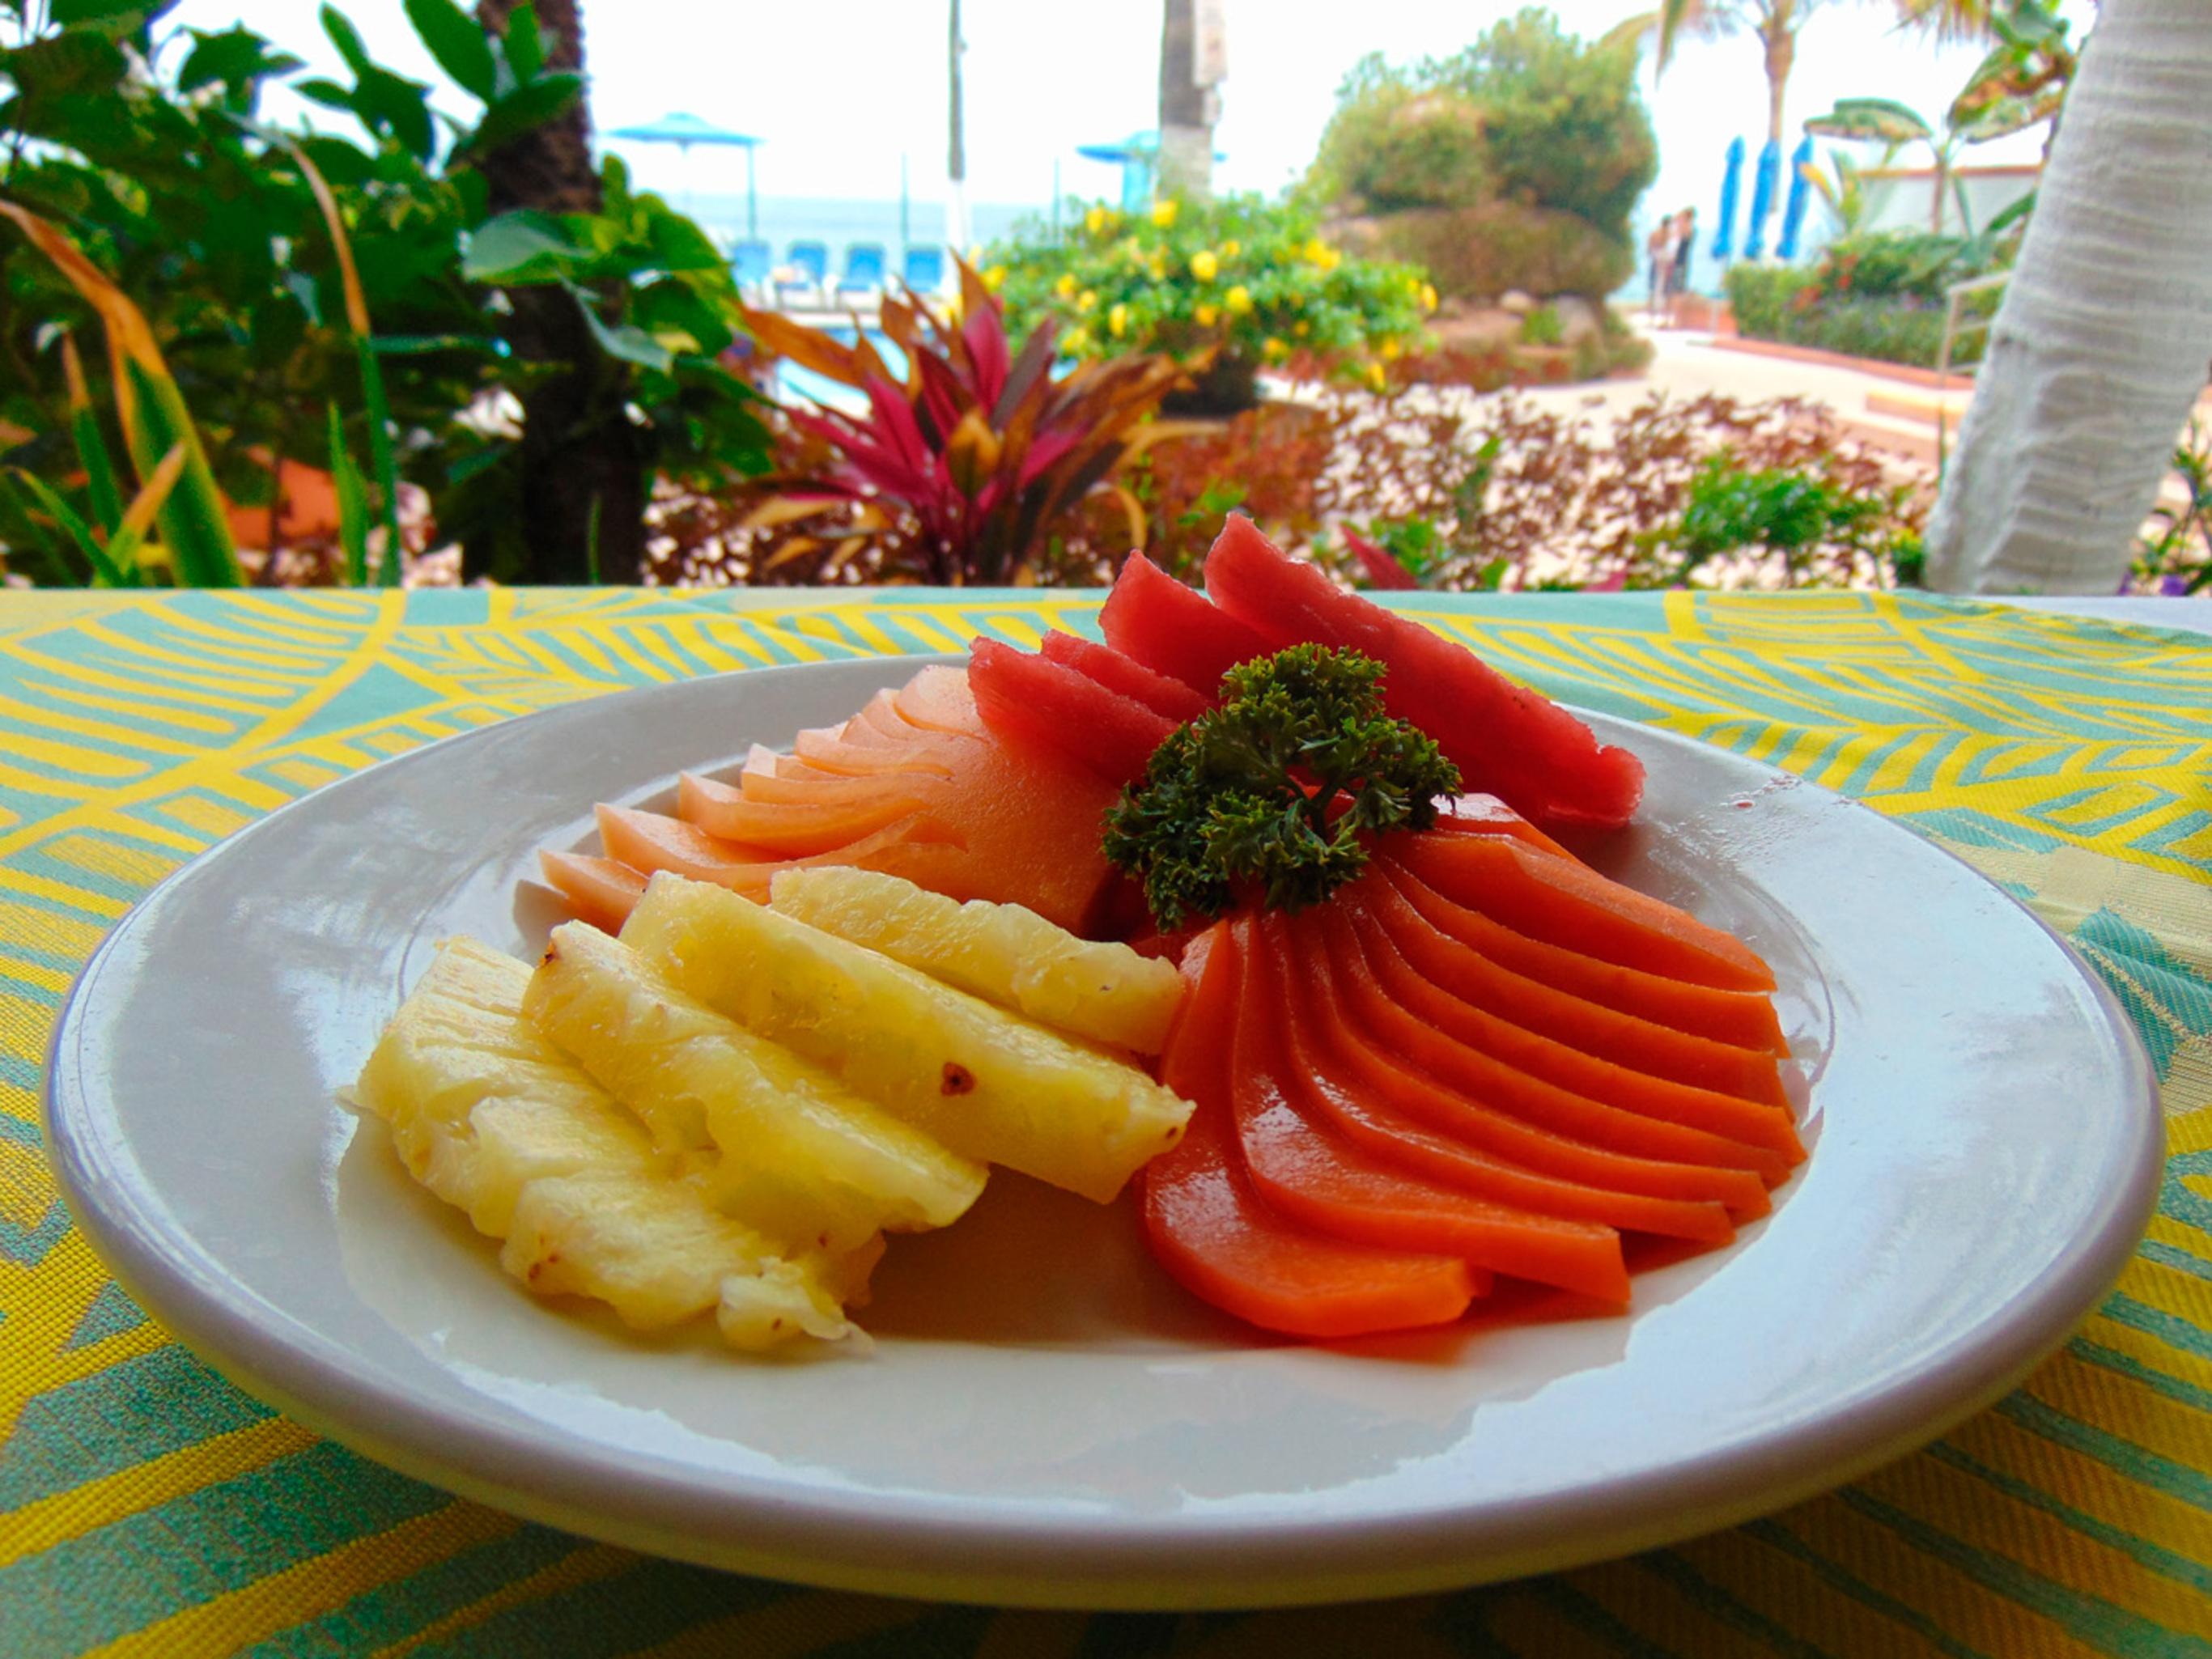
point(1542, 327)
point(1252, 280)
point(1544, 136)
point(1401, 146)
point(1567, 126)
point(1761, 295)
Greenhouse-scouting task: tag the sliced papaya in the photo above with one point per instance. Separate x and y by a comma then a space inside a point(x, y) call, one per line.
point(1211, 1232)
point(1597, 1032)
point(1567, 904)
point(1307, 1171)
point(1745, 1018)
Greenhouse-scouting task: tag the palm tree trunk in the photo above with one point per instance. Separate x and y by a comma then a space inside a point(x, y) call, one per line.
point(1778, 36)
point(2100, 348)
point(1186, 108)
point(583, 483)
point(956, 230)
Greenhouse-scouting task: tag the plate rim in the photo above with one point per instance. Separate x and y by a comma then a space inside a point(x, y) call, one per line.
point(1089, 1560)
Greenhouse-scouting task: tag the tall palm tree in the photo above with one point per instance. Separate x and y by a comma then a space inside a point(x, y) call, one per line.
point(1775, 25)
point(956, 151)
point(1188, 105)
point(583, 466)
point(2099, 349)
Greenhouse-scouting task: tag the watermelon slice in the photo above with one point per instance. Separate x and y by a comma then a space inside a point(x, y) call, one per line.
point(1126, 675)
point(1030, 699)
point(1152, 617)
point(1507, 739)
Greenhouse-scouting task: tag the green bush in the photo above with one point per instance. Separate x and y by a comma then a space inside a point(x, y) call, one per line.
point(1543, 136)
point(1762, 295)
point(1401, 146)
point(1542, 327)
point(1254, 281)
point(1567, 126)
point(1898, 327)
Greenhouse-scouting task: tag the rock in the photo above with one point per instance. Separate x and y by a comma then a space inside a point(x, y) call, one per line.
point(1578, 318)
point(1499, 247)
point(1519, 303)
point(1476, 328)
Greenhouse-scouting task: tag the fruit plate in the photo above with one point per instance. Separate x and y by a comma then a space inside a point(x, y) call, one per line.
point(1046, 1418)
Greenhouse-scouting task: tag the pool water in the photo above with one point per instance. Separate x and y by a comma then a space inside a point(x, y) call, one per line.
point(799, 384)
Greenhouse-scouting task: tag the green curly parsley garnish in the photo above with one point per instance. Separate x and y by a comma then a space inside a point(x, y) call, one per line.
point(1248, 795)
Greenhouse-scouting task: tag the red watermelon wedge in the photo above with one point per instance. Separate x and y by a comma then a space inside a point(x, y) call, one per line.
point(1171, 630)
point(1032, 699)
point(1509, 740)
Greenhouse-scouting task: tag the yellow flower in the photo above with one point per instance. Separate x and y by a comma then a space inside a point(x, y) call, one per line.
point(1096, 220)
point(1302, 330)
point(1066, 286)
point(1390, 351)
point(1117, 322)
point(1375, 376)
point(1204, 266)
point(1159, 269)
point(1239, 301)
point(1274, 350)
point(1164, 213)
point(1428, 296)
point(995, 279)
point(1085, 300)
point(1075, 342)
point(1231, 248)
point(1207, 316)
point(1322, 255)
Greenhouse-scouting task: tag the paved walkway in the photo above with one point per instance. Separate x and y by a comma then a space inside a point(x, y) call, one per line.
point(1689, 365)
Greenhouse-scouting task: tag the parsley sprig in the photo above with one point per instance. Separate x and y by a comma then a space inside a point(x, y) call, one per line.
point(1272, 789)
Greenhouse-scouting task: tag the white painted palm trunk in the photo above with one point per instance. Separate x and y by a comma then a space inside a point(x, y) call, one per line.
point(2102, 343)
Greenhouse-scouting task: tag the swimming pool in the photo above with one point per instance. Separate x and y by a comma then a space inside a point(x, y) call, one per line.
point(796, 384)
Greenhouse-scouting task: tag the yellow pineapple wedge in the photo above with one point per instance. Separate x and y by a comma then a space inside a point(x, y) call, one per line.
point(1004, 953)
point(803, 1157)
point(985, 1082)
point(488, 1114)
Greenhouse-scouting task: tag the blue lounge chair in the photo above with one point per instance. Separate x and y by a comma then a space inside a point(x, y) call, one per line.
point(805, 272)
point(751, 262)
point(864, 271)
point(924, 269)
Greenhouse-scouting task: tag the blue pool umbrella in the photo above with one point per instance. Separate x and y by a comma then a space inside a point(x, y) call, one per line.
point(1762, 200)
point(684, 130)
point(1800, 192)
point(1731, 187)
point(1139, 157)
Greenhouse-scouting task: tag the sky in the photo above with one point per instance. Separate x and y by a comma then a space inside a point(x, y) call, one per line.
point(839, 92)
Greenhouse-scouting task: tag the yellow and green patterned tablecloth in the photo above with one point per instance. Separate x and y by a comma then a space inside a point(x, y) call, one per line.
point(147, 1507)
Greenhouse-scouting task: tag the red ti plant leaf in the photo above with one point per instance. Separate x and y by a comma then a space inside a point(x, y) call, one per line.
point(1383, 569)
point(980, 452)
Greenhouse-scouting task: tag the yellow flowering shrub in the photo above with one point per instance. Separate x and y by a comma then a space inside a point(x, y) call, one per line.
point(1237, 279)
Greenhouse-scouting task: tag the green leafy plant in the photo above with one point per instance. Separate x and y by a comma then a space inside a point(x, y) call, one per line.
point(1268, 794)
point(1784, 512)
point(286, 272)
point(1897, 125)
point(2173, 557)
point(1223, 288)
point(1542, 327)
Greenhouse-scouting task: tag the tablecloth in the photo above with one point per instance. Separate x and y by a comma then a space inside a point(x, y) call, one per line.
point(148, 1507)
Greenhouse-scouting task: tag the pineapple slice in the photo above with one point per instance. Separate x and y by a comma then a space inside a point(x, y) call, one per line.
point(985, 1082)
point(803, 1157)
point(488, 1114)
point(1004, 953)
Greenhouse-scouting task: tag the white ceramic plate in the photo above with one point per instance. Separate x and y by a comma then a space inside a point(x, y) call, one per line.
point(1047, 1418)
